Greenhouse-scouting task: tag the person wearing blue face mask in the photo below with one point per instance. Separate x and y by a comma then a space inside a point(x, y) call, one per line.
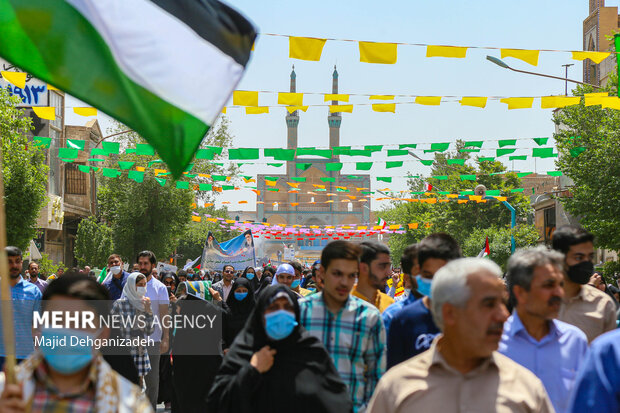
point(413, 329)
point(249, 273)
point(57, 378)
point(275, 365)
point(296, 284)
point(239, 306)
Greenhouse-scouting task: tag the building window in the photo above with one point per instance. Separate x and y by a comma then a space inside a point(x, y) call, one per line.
point(75, 181)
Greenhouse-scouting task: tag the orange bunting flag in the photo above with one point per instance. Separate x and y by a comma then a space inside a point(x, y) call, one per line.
point(413, 225)
point(196, 219)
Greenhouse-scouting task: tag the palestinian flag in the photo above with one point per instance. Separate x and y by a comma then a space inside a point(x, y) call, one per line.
point(486, 250)
point(163, 67)
point(381, 223)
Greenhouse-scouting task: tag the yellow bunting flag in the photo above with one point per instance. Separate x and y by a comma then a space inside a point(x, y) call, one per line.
point(381, 97)
point(462, 201)
point(371, 52)
point(256, 191)
point(393, 227)
point(271, 183)
point(245, 98)
point(479, 102)
point(292, 109)
point(596, 57)
point(196, 219)
point(377, 227)
point(15, 78)
point(293, 184)
point(518, 103)
point(256, 110)
point(528, 56)
point(50, 87)
point(140, 168)
point(294, 203)
point(340, 98)
point(318, 186)
point(446, 51)
point(384, 107)
point(549, 102)
point(242, 202)
point(159, 171)
point(45, 112)
point(413, 225)
point(452, 196)
point(208, 204)
point(501, 198)
point(341, 108)
point(85, 111)
point(193, 205)
point(305, 48)
point(611, 102)
point(293, 99)
point(592, 99)
point(428, 100)
point(224, 110)
point(475, 198)
point(212, 219)
point(248, 180)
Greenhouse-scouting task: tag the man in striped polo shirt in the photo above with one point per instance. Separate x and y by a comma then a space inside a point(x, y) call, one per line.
point(350, 328)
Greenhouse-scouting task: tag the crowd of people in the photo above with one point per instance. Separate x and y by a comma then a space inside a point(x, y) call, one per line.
point(447, 333)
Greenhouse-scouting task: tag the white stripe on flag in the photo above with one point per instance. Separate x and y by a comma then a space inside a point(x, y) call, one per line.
point(164, 55)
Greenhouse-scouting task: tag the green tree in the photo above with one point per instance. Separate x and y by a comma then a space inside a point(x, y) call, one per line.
point(459, 220)
point(94, 243)
point(192, 240)
point(589, 149)
point(24, 170)
point(499, 241)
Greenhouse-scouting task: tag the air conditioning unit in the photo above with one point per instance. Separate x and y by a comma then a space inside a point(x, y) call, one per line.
point(481, 190)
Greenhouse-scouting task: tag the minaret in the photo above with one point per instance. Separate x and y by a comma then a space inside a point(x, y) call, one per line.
point(292, 122)
point(335, 118)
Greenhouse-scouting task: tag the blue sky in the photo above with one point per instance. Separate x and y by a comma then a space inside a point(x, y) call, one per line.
point(529, 24)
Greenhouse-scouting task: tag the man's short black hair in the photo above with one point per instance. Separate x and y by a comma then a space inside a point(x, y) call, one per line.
point(567, 236)
point(181, 273)
point(340, 250)
point(371, 249)
point(296, 265)
point(228, 265)
point(409, 258)
point(81, 287)
point(149, 255)
point(12, 251)
point(439, 245)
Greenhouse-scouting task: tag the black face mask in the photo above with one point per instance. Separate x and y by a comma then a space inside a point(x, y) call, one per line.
point(581, 273)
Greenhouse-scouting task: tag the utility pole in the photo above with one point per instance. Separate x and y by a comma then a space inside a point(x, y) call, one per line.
point(566, 83)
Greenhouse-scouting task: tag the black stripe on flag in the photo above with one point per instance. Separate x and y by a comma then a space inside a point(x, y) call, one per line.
point(217, 23)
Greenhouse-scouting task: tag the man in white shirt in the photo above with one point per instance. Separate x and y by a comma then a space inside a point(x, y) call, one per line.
point(157, 292)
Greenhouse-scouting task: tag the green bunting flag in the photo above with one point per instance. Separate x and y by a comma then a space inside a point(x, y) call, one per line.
point(518, 158)
point(303, 166)
point(324, 153)
point(67, 153)
point(328, 179)
point(393, 164)
point(145, 149)
point(397, 152)
point(42, 141)
point(486, 159)
point(468, 177)
point(182, 185)
point(540, 141)
point(137, 176)
point(363, 166)
point(455, 161)
point(76, 144)
point(111, 147)
point(384, 178)
point(243, 153)
point(298, 178)
point(507, 142)
point(408, 145)
point(502, 152)
point(333, 166)
point(477, 144)
point(617, 48)
point(125, 165)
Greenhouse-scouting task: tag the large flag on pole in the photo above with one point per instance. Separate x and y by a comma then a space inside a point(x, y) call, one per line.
point(163, 67)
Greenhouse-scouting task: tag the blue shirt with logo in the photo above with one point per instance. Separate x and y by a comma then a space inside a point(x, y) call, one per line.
point(411, 332)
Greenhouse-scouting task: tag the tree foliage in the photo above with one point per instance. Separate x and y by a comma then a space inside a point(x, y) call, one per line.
point(94, 243)
point(192, 241)
point(155, 214)
point(459, 220)
point(24, 170)
point(589, 149)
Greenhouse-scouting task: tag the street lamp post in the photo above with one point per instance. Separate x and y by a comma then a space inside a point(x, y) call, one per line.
point(502, 64)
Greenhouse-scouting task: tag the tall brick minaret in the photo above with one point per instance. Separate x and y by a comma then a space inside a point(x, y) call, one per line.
point(292, 123)
point(334, 119)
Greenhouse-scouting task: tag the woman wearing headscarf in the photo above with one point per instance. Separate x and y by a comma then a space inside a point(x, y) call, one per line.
point(264, 281)
point(134, 303)
point(165, 394)
point(275, 365)
point(196, 352)
point(240, 304)
point(249, 273)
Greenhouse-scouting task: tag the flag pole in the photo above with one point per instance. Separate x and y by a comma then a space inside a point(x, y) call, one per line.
point(5, 292)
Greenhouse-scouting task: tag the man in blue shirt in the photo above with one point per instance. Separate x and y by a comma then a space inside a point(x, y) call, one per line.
point(410, 268)
point(412, 329)
point(597, 388)
point(551, 349)
point(26, 298)
point(115, 282)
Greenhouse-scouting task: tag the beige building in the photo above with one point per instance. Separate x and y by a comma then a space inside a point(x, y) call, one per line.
point(600, 23)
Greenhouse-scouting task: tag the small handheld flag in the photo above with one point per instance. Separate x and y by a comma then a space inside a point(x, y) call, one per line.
point(486, 250)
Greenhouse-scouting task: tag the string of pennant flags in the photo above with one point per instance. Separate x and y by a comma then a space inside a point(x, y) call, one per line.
point(311, 49)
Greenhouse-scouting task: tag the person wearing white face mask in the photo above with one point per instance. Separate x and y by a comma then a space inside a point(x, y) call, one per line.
point(116, 279)
point(134, 303)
